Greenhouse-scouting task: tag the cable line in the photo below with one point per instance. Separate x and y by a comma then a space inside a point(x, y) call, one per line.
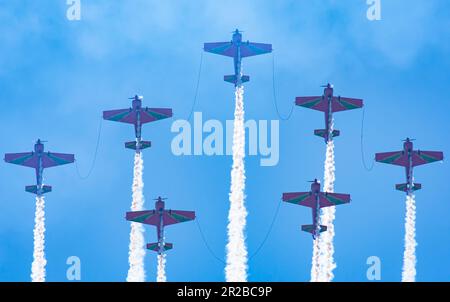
point(91, 168)
point(275, 102)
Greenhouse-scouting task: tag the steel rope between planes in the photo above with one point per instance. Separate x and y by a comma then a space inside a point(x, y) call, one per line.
point(275, 101)
point(206, 243)
point(258, 249)
point(267, 234)
point(194, 103)
point(91, 168)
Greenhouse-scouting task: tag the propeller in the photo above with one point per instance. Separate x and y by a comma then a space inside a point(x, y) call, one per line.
point(409, 139)
point(139, 97)
point(314, 181)
point(327, 86)
point(160, 198)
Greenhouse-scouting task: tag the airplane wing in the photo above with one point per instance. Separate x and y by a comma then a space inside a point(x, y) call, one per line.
point(129, 115)
point(319, 103)
point(312, 102)
point(342, 104)
point(27, 159)
point(398, 158)
point(51, 159)
point(175, 216)
point(332, 199)
point(146, 217)
point(220, 48)
point(300, 198)
point(426, 157)
point(120, 115)
point(228, 49)
point(253, 49)
point(154, 114)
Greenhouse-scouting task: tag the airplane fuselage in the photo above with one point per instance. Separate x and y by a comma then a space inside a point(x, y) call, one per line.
point(137, 106)
point(39, 150)
point(328, 95)
point(159, 205)
point(408, 149)
point(316, 215)
point(237, 68)
point(237, 41)
point(315, 190)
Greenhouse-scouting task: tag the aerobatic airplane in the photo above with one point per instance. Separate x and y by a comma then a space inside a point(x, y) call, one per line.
point(315, 199)
point(39, 160)
point(328, 104)
point(237, 49)
point(409, 158)
point(160, 217)
point(138, 116)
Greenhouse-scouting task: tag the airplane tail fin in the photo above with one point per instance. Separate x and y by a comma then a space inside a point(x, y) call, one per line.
point(404, 187)
point(132, 145)
point(310, 228)
point(233, 79)
point(155, 246)
point(34, 189)
point(323, 132)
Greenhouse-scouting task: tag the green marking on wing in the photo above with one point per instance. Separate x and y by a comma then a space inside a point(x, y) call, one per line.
point(334, 200)
point(156, 115)
point(141, 219)
point(311, 103)
point(58, 160)
point(220, 49)
point(347, 105)
point(256, 49)
point(391, 158)
point(299, 198)
point(21, 160)
point(119, 116)
point(179, 218)
point(428, 158)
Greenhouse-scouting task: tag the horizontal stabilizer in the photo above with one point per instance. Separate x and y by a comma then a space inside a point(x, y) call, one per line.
point(233, 79)
point(34, 189)
point(155, 246)
point(132, 145)
point(310, 228)
point(404, 187)
point(323, 132)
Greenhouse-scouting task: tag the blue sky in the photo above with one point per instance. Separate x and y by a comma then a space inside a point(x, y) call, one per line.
point(56, 77)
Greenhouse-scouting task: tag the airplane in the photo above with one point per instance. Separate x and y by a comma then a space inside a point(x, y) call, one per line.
point(39, 160)
point(315, 199)
point(160, 217)
point(237, 49)
point(138, 116)
point(409, 158)
point(328, 104)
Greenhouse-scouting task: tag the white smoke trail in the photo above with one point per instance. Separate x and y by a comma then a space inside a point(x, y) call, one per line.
point(315, 267)
point(39, 261)
point(161, 277)
point(236, 267)
point(136, 254)
point(326, 246)
point(409, 256)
